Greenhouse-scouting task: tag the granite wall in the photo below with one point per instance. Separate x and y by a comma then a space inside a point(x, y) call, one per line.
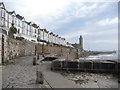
point(61, 51)
point(14, 48)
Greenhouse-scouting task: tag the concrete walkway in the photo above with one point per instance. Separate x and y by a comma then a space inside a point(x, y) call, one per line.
point(56, 80)
point(22, 74)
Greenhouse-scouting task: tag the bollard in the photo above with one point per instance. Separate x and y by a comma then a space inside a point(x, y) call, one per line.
point(40, 77)
point(34, 61)
point(37, 57)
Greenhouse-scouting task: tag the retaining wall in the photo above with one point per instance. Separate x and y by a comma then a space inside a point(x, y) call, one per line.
point(60, 51)
point(14, 48)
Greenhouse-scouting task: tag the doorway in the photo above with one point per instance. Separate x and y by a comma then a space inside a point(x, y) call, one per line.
point(2, 48)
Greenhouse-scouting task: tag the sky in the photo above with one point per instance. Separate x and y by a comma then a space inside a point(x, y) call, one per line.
point(95, 20)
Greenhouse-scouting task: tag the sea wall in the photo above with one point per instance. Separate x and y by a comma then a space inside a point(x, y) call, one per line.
point(87, 65)
point(16, 48)
point(60, 51)
point(12, 48)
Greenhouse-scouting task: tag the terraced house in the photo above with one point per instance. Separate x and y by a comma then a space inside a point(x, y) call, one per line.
point(28, 30)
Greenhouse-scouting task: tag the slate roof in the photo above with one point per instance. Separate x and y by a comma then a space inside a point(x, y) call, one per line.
point(19, 17)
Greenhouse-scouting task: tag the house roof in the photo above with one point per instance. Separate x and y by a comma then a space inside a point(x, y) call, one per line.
point(63, 38)
point(11, 12)
point(51, 33)
point(2, 5)
point(45, 30)
point(35, 25)
point(56, 35)
point(28, 22)
point(19, 17)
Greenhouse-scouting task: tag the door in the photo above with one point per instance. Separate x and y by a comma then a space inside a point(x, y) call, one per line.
point(2, 48)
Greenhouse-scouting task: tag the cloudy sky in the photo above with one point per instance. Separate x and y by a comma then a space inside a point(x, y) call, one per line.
point(96, 21)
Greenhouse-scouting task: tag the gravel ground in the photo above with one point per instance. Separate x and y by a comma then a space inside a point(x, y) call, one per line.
point(92, 80)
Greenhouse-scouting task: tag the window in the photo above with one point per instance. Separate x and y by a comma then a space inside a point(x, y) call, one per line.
point(13, 19)
point(1, 13)
point(18, 30)
point(18, 22)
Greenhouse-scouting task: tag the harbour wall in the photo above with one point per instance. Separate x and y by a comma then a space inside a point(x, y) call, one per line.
point(57, 50)
point(87, 65)
point(12, 48)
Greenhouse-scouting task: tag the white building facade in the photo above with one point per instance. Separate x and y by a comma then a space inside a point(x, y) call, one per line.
point(27, 30)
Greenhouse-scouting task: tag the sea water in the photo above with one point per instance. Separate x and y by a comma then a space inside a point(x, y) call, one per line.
point(113, 56)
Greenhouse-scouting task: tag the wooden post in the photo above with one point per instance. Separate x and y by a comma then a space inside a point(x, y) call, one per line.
point(34, 61)
point(37, 57)
point(40, 77)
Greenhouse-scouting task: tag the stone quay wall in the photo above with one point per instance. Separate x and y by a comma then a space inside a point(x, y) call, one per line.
point(18, 48)
point(60, 51)
point(105, 66)
point(14, 48)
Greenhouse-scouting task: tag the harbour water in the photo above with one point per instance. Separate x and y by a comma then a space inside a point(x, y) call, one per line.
point(113, 56)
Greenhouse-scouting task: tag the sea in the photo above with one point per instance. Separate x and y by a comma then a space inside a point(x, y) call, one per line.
point(113, 56)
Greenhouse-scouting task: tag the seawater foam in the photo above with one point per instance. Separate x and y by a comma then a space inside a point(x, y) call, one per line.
point(102, 56)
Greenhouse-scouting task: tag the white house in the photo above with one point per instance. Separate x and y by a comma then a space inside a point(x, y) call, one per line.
point(28, 30)
point(45, 35)
point(51, 37)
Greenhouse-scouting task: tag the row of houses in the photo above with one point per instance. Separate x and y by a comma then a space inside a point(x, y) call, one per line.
point(28, 30)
